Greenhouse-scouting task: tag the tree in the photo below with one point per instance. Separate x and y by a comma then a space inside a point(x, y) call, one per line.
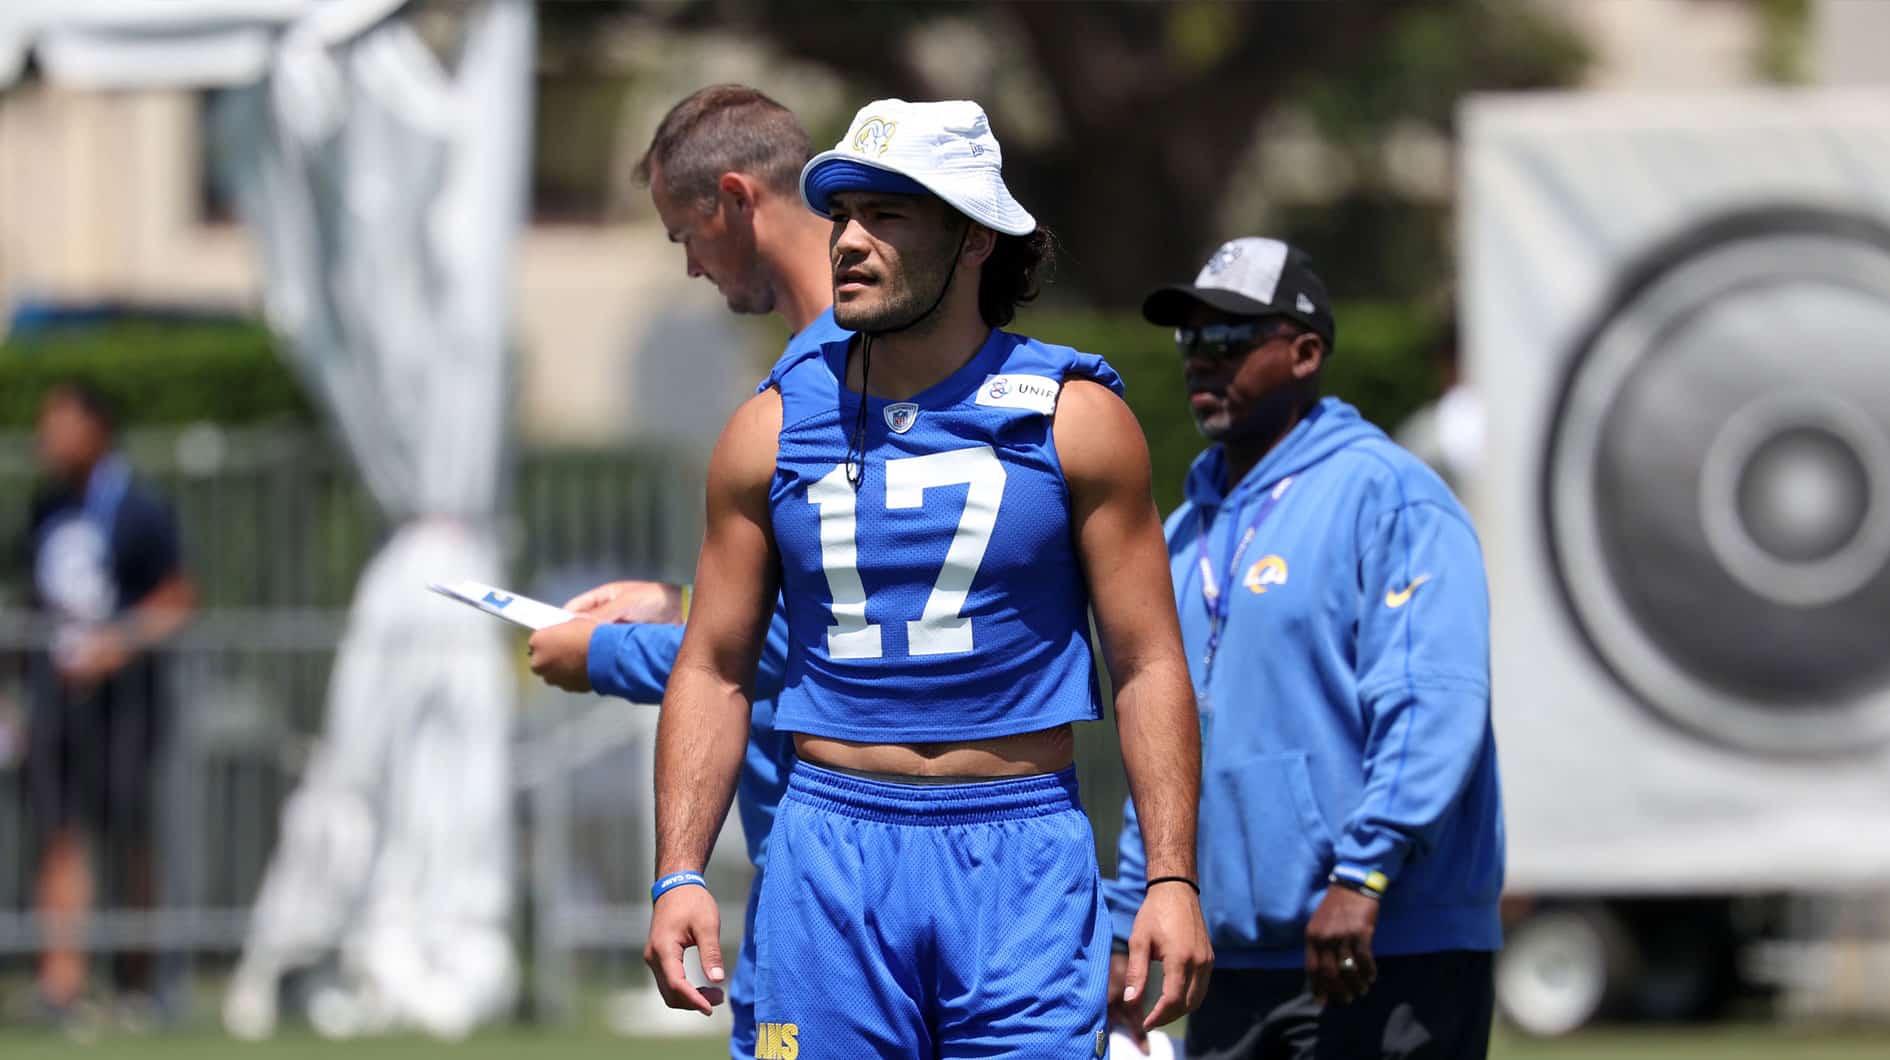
point(1146, 112)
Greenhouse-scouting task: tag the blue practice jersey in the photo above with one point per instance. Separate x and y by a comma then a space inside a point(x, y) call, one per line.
point(944, 600)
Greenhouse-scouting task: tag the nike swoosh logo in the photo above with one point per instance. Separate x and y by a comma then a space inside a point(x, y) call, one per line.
point(1398, 598)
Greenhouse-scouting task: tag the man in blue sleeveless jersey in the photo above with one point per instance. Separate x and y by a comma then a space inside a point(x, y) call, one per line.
point(940, 504)
point(723, 169)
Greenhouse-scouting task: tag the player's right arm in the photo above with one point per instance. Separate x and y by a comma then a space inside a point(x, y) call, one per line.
point(704, 722)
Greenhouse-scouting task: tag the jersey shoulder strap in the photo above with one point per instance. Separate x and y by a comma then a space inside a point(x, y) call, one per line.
point(1032, 374)
point(806, 381)
point(802, 374)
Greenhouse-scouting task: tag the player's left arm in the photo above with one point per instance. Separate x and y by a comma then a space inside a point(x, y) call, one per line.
point(632, 659)
point(1118, 535)
point(622, 643)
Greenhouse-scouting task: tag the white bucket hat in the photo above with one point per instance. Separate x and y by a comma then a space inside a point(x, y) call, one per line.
point(944, 149)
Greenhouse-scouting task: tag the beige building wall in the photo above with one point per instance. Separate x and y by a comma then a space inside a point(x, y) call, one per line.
point(1692, 45)
point(100, 199)
point(1850, 42)
point(1665, 45)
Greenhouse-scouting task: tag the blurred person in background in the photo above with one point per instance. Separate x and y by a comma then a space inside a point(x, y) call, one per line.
point(102, 549)
point(1447, 433)
point(723, 171)
point(1336, 619)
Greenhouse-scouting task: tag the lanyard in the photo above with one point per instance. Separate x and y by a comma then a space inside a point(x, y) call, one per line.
point(105, 490)
point(1215, 591)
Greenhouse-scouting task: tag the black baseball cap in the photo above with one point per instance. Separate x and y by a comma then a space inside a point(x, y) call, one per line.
point(1249, 277)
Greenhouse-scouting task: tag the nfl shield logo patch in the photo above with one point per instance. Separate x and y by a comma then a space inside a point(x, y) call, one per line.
point(901, 416)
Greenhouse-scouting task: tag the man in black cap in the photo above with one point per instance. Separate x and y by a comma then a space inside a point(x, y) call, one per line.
point(1336, 621)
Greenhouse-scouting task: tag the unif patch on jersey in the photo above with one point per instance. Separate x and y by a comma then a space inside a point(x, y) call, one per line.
point(1034, 393)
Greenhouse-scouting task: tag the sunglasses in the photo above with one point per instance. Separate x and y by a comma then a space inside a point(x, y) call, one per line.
point(1221, 342)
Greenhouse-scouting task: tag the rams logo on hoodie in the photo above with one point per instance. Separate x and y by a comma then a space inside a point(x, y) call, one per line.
point(1267, 570)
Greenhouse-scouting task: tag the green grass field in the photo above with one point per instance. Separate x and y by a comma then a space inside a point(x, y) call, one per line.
point(1722, 1043)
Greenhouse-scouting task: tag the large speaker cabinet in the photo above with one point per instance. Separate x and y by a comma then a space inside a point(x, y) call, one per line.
point(1677, 316)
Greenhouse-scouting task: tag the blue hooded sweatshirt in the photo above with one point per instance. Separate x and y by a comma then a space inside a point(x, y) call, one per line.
point(1346, 716)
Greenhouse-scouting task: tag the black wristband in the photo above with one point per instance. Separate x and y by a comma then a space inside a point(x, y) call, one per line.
point(1173, 879)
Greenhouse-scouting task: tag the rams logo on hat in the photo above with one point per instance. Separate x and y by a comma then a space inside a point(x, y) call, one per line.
point(1224, 257)
point(874, 137)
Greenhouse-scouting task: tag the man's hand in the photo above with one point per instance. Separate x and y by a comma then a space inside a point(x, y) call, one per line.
point(1128, 1015)
point(631, 601)
point(561, 654)
point(1341, 932)
point(1169, 929)
point(685, 917)
point(94, 658)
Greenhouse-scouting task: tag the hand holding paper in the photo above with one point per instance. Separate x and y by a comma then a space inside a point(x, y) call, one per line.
point(516, 609)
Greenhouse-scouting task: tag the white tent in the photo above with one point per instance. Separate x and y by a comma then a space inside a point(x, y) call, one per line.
point(385, 189)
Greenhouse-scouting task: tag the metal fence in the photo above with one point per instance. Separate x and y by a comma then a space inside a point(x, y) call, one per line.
point(274, 519)
point(248, 689)
point(276, 530)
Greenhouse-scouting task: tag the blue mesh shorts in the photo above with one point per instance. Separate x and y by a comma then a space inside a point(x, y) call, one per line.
point(901, 920)
point(741, 986)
